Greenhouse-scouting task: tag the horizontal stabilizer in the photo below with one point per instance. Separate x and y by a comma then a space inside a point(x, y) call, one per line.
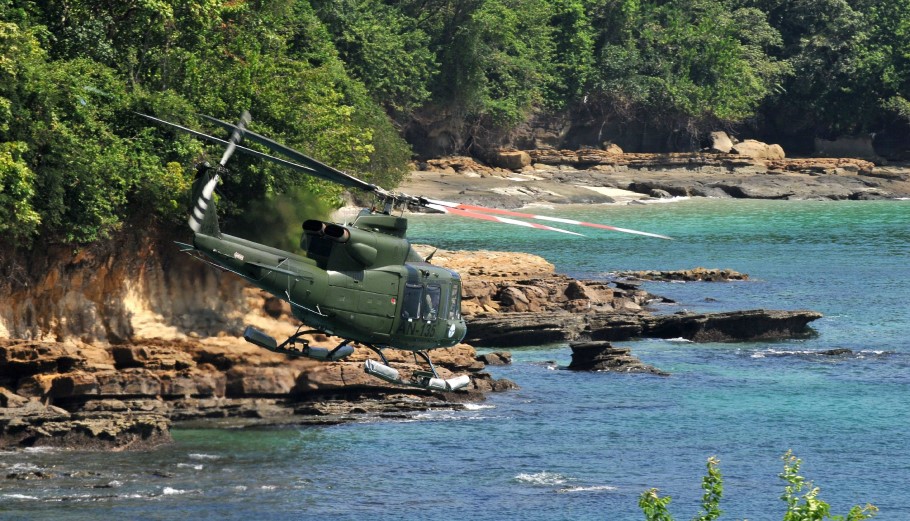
point(184, 246)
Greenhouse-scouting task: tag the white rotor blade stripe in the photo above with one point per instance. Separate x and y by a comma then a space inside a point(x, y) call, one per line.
point(485, 217)
point(497, 211)
point(202, 204)
point(236, 136)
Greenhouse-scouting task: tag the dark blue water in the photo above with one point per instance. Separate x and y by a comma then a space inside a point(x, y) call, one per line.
point(584, 445)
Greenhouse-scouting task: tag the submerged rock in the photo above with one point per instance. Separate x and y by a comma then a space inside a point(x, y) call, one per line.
point(693, 275)
point(840, 351)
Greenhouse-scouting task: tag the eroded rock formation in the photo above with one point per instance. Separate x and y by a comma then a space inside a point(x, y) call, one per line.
point(603, 356)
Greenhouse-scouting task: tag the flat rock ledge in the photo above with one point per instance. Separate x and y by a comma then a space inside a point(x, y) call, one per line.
point(34, 424)
point(530, 328)
point(603, 356)
point(127, 397)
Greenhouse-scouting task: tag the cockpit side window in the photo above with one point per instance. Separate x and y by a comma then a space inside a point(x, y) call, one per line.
point(454, 311)
point(431, 302)
point(411, 307)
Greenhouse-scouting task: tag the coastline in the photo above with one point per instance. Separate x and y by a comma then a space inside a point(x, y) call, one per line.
point(166, 365)
point(599, 177)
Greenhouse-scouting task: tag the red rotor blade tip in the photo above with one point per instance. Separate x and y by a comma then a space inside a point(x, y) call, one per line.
point(476, 211)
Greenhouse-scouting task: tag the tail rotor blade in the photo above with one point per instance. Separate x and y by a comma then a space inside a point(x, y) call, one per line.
point(453, 207)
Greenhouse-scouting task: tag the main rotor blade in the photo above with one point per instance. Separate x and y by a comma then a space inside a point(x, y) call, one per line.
point(327, 172)
point(283, 162)
point(485, 217)
point(497, 211)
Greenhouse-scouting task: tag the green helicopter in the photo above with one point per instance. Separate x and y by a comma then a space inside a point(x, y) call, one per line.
point(361, 281)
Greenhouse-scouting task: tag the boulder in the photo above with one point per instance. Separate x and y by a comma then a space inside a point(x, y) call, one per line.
point(9, 399)
point(720, 142)
point(612, 148)
point(496, 358)
point(511, 159)
point(758, 150)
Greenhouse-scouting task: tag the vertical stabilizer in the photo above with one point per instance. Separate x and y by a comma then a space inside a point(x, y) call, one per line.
point(203, 215)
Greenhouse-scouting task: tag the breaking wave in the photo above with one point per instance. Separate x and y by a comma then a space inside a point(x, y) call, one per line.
point(544, 479)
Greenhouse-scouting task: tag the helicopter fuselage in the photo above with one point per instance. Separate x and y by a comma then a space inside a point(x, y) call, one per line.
point(361, 282)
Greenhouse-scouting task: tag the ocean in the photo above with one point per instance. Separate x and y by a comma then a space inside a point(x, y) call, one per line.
point(584, 446)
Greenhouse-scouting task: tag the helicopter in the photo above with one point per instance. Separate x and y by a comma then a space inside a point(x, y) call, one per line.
point(361, 281)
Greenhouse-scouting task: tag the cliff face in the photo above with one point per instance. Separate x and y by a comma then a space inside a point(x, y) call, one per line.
point(136, 284)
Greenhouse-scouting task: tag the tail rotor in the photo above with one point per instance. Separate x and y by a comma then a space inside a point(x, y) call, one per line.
point(203, 216)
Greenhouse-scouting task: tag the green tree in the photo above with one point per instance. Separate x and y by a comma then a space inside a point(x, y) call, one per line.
point(72, 72)
point(851, 62)
point(384, 48)
point(573, 55)
point(655, 508)
point(18, 219)
point(693, 63)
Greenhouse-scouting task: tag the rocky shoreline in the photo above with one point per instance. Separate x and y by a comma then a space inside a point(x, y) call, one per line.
point(108, 348)
point(513, 299)
point(126, 396)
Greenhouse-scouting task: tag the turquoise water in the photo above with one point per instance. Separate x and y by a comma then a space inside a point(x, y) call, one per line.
point(583, 446)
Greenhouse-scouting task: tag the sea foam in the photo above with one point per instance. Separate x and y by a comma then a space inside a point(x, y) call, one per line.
point(544, 478)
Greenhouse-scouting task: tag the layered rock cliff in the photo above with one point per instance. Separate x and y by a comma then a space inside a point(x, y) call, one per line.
point(106, 345)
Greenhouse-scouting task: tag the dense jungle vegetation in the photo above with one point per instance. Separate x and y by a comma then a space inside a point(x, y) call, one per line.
point(348, 80)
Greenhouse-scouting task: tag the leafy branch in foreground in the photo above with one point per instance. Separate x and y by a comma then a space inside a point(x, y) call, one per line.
point(808, 507)
point(805, 507)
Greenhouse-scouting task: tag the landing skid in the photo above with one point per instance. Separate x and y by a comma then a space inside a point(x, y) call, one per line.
point(428, 380)
point(420, 379)
point(289, 346)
